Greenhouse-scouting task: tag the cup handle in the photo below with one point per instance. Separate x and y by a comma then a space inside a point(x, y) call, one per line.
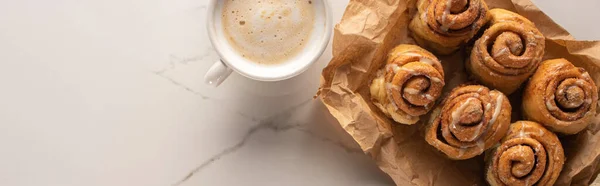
point(217, 73)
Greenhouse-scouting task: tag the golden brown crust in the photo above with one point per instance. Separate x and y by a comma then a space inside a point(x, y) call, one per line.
point(529, 154)
point(444, 25)
point(469, 121)
point(560, 96)
point(409, 84)
point(507, 53)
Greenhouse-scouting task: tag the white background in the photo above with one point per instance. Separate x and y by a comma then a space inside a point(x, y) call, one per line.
point(110, 92)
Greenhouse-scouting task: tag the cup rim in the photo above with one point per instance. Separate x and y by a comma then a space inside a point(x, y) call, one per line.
point(322, 44)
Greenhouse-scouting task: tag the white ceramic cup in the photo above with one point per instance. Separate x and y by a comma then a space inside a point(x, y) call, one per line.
point(231, 60)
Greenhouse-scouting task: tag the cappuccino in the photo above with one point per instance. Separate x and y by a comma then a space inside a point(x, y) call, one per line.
point(268, 31)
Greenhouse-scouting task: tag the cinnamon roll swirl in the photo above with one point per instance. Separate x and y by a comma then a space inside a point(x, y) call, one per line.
point(561, 96)
point(528, 155)
point(469, 121)
point(507, 53)
point(409, 84)
point(444, 25)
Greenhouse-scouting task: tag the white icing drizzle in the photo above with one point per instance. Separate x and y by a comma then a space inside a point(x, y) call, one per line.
point(445, 15)
point(389, 88)
point(392, 86)
point(390, 67)
point(502, 51)
point(397, 68)
point(447, 27)
point(586, 75)
point(514, 48)
point(434, 115)
point(541, 132)
point(487, 58)
point(453, 126)
point(473, 27)
point(485, 38)
point(580, 82)
point(480, 89)
point(479, 52)
point(537, 36)
point(429, 97)
point(409, 53)
point(488, 106)
point(434, 79)
point(530, 39)
point(522, 172)
point(411, 91)
point(572, 104)
point(526, 57)
point(549, 103)
point(461, 152)
point(444, 28)
point(392, 100)
point(532, 44)
point(456, 113)
point(421, 59)
point(425, 12)
point(427, 61)
point(481, 145)
point(474, 135)
point(499, 100)
point(562, 90)
point(522, 132)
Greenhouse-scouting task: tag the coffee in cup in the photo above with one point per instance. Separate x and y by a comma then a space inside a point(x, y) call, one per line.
point(268, 31)
point(266, 40)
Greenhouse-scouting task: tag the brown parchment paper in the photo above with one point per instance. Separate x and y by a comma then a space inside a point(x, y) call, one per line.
point(369, 29)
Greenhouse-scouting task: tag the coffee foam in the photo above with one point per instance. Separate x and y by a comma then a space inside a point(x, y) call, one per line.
point(268, 31)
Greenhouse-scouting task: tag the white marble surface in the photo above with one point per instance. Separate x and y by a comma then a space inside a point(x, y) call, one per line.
point(110, 92)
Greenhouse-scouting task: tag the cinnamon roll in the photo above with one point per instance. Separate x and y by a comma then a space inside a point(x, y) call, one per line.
point(409, 84)
point(444, 25)
point(560, 96)
point(528, 155)
point(469, 121)
point(507, 53)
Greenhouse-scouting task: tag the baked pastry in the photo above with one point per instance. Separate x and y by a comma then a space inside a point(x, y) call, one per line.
point(469, 121)
point(409, 84)
point(560, 96)
point(528, 155)
point(507, 53)
point(444, 25)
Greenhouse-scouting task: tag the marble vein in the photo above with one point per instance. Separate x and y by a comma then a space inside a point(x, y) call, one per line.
point(188, 89)
point(251, 118)
point(173, 62)
point(273, 123)
point(265, 124)
point(223, 153)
